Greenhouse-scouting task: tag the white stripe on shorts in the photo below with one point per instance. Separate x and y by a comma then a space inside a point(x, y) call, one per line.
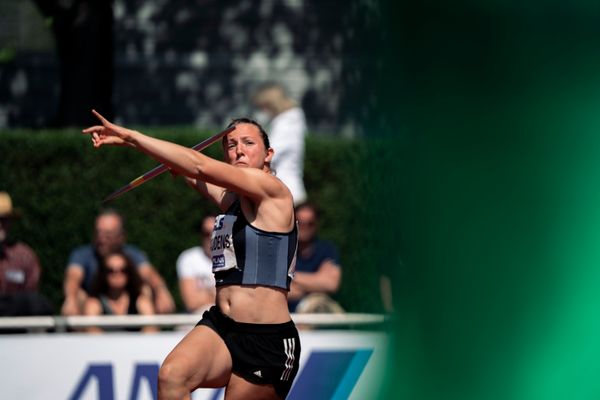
point(289, 345)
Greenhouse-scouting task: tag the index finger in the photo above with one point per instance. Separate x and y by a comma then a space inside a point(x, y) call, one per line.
point(100, 117)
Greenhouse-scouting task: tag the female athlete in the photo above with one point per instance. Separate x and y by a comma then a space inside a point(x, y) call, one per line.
point(247, 342)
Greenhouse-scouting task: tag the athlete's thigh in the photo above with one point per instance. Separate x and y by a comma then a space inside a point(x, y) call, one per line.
point(203, 357)
point(240, 389)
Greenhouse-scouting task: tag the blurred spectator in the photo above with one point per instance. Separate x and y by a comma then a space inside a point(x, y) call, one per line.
point(287, 129)
point(194, 270)
point(19, 270)
point(109, 236)
point(318, 271)
point(117, 290)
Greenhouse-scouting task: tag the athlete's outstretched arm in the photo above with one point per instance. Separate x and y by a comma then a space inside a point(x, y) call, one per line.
point(249, 182)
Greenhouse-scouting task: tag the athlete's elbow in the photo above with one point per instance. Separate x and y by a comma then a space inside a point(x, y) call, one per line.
point(194, 164)
point(200, 170)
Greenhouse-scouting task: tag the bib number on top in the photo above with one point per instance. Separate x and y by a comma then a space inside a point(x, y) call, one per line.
point(223, 253)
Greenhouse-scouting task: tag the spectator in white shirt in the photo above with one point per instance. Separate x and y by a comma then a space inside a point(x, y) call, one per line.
point(194, 271)
point(286, 129)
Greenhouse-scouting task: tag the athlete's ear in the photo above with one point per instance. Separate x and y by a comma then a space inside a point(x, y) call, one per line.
point(269, 156)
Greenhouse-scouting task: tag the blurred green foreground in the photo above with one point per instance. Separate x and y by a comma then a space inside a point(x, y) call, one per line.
point(495, 107)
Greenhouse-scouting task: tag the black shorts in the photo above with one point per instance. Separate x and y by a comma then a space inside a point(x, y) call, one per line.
point(261, 353)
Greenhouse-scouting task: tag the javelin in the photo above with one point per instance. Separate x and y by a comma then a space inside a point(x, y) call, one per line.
point(159, 169)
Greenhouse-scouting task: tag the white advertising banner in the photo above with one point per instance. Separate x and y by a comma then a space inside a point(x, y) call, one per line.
point(115, 366)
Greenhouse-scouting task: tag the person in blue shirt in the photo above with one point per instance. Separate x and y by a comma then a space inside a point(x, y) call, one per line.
point(318, 271)
point(109, 236)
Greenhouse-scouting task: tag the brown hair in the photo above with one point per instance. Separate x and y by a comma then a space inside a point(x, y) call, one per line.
point(246, 120)
point(134, 281)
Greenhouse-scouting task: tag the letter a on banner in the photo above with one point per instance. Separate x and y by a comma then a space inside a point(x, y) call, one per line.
point(148, 372)
point(103, 374)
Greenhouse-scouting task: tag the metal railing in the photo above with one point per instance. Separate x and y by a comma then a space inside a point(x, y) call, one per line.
point(62, 324)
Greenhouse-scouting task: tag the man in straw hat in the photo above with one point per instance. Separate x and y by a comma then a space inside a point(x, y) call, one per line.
point(19, 270)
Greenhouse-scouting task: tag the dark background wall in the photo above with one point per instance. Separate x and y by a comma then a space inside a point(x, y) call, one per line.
point(193, 62)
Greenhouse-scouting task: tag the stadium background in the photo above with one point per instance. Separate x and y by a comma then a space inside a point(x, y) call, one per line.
point(482, 199)
point(181, 70)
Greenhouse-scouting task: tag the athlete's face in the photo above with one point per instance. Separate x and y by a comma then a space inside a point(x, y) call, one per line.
point(245, 148)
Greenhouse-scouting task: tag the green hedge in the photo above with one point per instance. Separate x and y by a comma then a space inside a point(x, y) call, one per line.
point(58, 180)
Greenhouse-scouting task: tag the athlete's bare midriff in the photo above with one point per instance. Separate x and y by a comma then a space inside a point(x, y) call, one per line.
point(253, 304)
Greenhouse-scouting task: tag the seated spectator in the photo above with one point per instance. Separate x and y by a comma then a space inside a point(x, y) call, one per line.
point(109, 237)
point(19, 270)
point(318, 272)
point(117, 290)
point(194, 270)
point(287, 129)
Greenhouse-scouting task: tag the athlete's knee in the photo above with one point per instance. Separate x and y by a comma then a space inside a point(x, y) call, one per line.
point(172, 373)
